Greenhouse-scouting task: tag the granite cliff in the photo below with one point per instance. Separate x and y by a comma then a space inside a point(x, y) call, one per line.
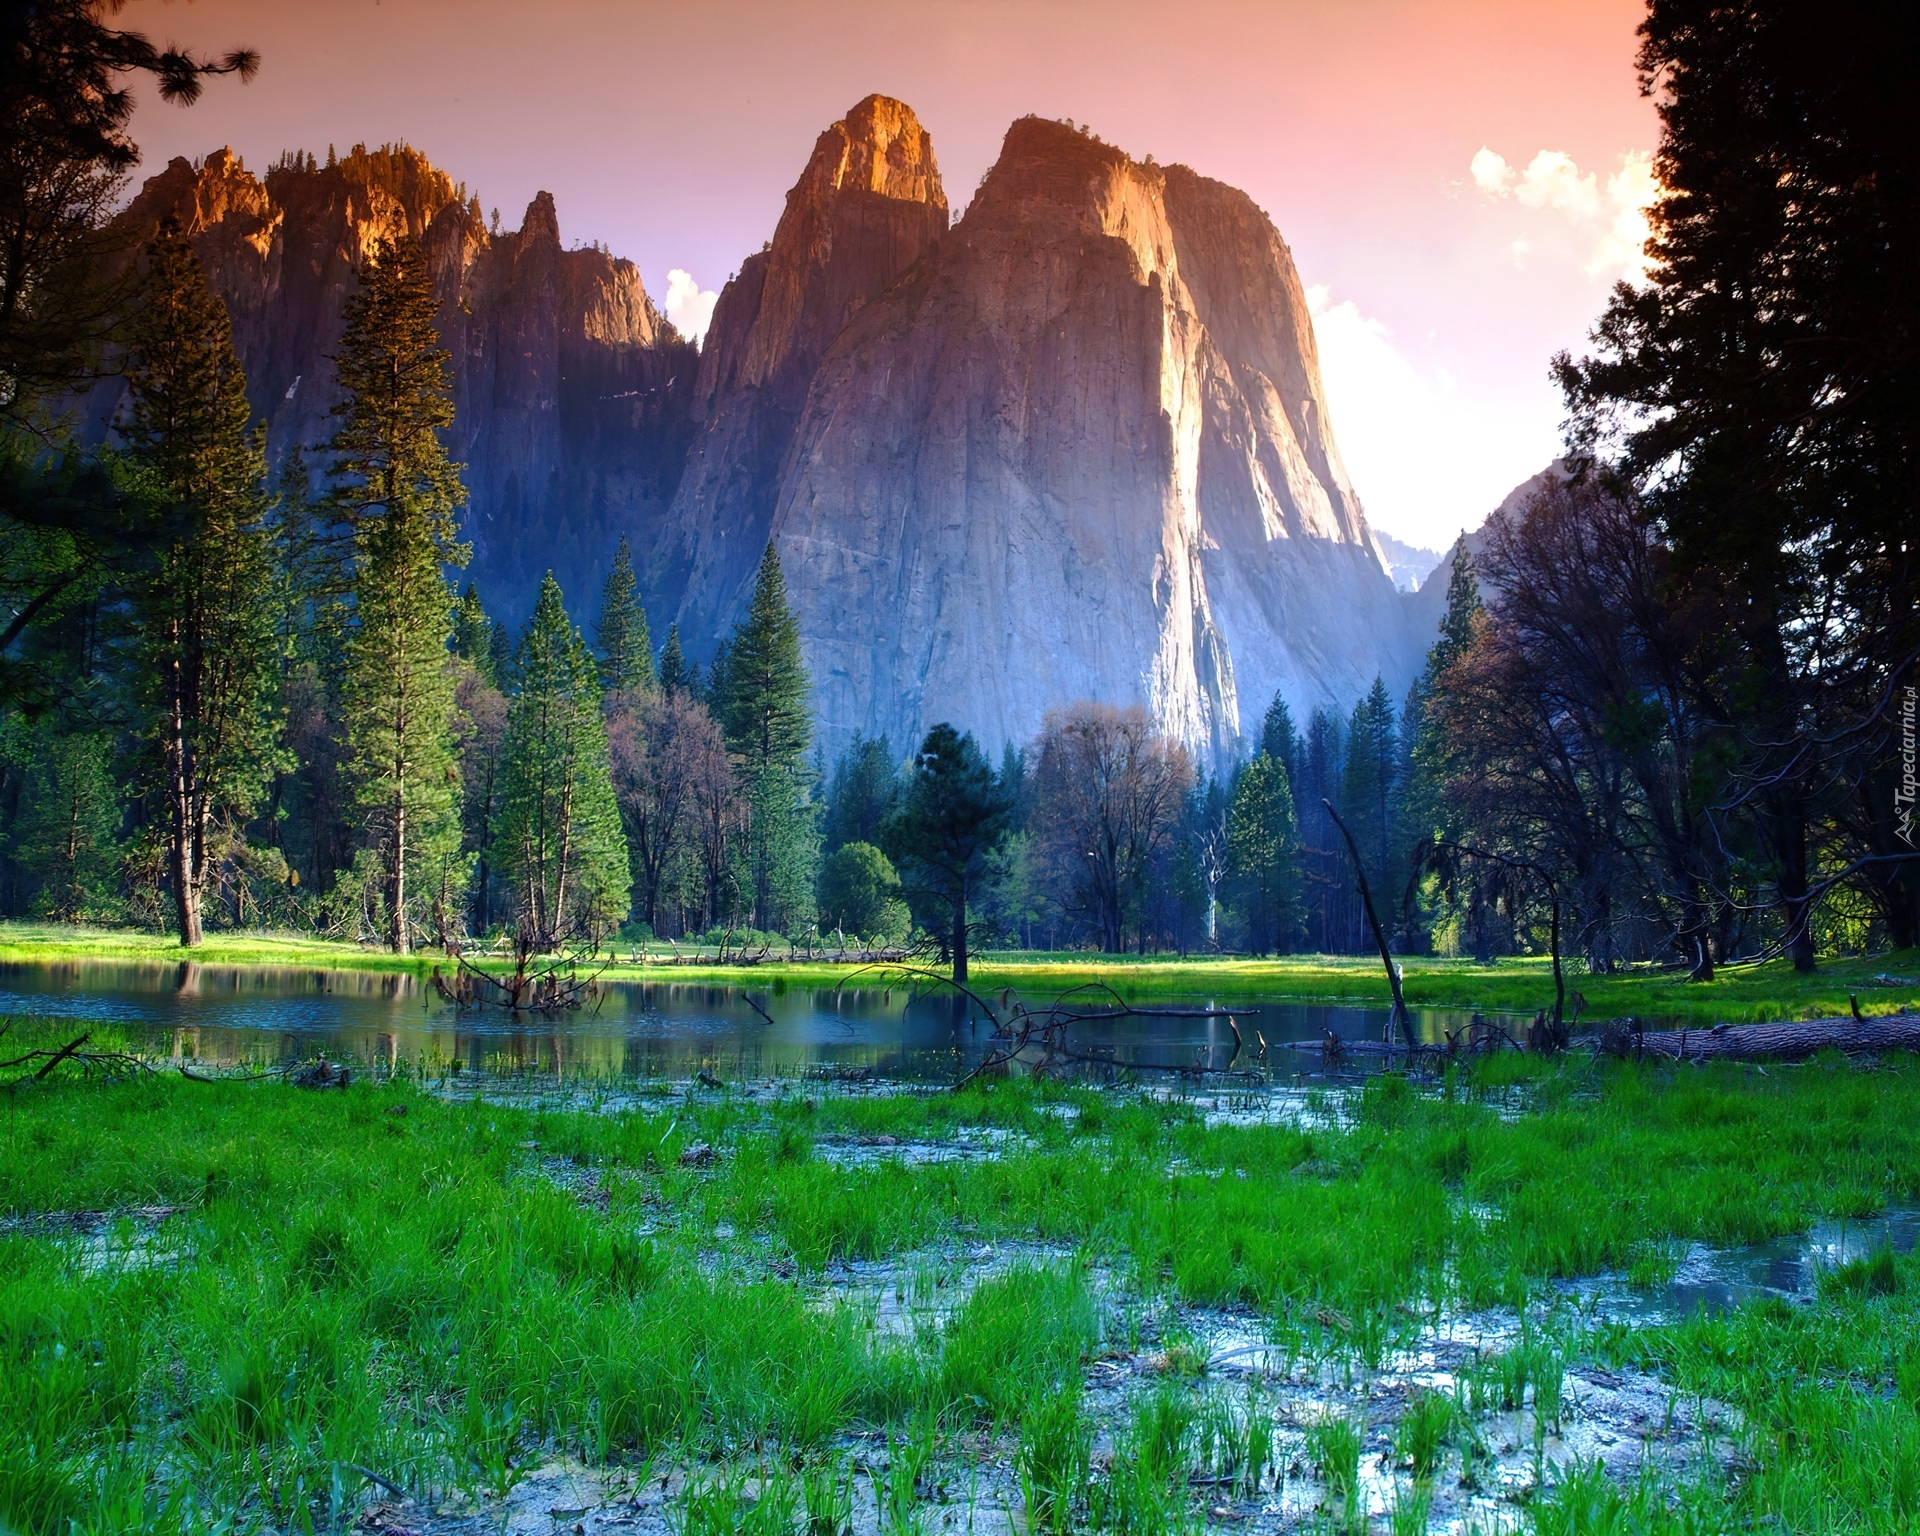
point(868, 206)
point(1074, 446)
point(572, 393)
point(1081, 450)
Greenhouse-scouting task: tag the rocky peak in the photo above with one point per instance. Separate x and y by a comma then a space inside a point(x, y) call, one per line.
point(867, 207)
point(878, 147)
point(1082, 454)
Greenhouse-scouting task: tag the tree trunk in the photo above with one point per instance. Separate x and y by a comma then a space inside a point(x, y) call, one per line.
point(1765, 1042)
point(960, 935)
point(186, 885)
point(397, 878)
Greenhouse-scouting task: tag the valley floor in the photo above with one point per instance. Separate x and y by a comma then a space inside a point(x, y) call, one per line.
point(447, 1305)
point(1883, 983)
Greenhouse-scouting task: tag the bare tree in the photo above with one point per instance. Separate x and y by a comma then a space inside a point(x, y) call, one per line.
point(1108, 796)
point(664, 746)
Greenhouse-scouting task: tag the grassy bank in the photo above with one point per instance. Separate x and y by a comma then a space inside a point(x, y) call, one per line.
point(1748, 994)
point(446, 1293)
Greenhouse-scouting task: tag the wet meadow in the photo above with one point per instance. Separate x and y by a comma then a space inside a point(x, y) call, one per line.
point(453, 1301)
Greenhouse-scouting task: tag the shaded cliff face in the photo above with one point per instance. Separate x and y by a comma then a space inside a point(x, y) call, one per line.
point(1082, 451)
point(867, 207)
point(571, 393)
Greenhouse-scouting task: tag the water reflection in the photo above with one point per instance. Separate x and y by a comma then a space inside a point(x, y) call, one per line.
point(1717, 1280)
point(235, 1014)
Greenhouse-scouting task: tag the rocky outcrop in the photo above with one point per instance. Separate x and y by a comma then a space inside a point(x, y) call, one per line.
point(1081, 451)
point(867, 207)
point(571, 393)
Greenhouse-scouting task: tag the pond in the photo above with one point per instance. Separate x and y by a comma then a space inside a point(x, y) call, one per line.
point(234, 1014)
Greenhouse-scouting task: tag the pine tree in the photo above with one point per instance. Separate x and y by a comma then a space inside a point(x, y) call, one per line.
point(626, 649)
point(764, 704)
point(1263, 854)
point(1430, 763)
point(757, 689)
point(1367, 786)
point(208, 649)
point(1278, 738)
point(673, 663)
point(472, 637)
point(399, 492)
point(558, 839)
point(952, 817)
point(66, 833)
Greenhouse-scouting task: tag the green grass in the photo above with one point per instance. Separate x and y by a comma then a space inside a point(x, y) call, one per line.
point(377, 1279)
point(1515, 984)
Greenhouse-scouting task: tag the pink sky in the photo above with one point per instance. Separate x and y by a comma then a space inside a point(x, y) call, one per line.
point(671, 132)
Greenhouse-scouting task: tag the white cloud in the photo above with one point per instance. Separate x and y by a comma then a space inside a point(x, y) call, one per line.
point(1612, 218)
point(687, 305)
point(1426, 457)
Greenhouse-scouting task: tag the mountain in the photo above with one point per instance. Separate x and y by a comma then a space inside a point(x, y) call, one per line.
point(1080, 450)
point(1073, 446)
point(867, 207)
point(572, 395)
point(1428, 606)
point(1407, 564)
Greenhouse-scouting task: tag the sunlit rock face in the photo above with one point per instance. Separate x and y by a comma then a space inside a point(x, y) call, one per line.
point(1081, 451)
point(572, 394)
point(868, 206)
point(1075, 446)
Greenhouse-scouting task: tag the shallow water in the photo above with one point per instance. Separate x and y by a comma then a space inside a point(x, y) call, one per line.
point(232, 1014)
point(1719, 1279)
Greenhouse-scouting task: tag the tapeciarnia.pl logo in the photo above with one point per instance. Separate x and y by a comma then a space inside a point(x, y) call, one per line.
point(1903, 797)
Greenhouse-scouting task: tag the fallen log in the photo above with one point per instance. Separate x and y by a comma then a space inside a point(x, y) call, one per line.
point(1792, 1041)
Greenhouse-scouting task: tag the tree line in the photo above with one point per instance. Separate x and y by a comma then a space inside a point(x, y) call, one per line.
point(1670, 709)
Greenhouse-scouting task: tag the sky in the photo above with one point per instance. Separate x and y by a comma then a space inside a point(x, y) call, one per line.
point(1460, 181)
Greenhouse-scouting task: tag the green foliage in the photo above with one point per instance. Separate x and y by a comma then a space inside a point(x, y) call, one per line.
point(207, 647)
point(860, 894)
point(865, 789)
point(626, 649)
point(1263, 853)
point(757, 689)
point(66, 835)
point(396, 487)
point(472, 635)
point(558, 838)
point(953, 815)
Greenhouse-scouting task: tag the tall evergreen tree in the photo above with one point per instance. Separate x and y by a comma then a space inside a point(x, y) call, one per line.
point(399, 491)
point(1428, 761)
point(1278, 739)
point(673, 663)
point(952, 818)
point(558, 838)
point(865, 787)
point(472, 637)
point(1367, 786)
point(764, 705)
point(1263, 854)
point(208, 649)
point(757, 689)
point(66, 834)
point(626, 649)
